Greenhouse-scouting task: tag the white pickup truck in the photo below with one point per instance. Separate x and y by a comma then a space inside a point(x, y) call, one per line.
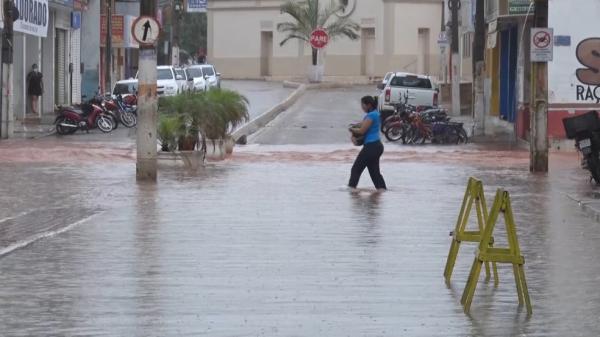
point(420, 89)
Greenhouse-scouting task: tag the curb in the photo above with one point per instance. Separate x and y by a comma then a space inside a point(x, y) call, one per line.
point(589, 205)
point(261, 121)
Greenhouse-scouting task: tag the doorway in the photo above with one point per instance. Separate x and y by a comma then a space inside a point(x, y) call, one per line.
point(60, 70)
point(508, 73)
point(368, 52)
point(424, 51)
point(266, 53)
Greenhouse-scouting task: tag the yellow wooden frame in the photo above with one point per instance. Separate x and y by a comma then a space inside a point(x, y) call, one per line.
point(474, 195)
point(487, 253)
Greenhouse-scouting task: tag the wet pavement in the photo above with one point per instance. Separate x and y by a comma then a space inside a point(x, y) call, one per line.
point(262, 95)
point(319, 117)
point(270, 243)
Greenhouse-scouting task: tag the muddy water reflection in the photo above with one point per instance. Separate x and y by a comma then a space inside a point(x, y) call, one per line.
point(277, 248)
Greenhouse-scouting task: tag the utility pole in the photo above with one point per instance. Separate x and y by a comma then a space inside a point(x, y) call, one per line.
point(479, 69)
point(6, 105)
point(146, 166)
point(454, 6)
point(108, 49)
point(177, 10)
point(539, 83)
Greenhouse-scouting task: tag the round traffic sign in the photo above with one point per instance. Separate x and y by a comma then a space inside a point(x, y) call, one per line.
point(145, 30)
point(542, 39)
point(319, 38)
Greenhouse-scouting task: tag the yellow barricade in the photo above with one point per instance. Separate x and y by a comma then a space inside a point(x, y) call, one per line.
point(473, 197)
point(487, 253)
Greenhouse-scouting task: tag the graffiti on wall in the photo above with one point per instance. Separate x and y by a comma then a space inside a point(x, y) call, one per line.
point(588, 54)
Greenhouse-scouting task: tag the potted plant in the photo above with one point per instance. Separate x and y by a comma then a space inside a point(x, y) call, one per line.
point(229, 109)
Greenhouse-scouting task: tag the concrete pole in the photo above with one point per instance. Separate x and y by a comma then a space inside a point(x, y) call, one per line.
point(539, 118)
point(6, 101)
point(108, 49)
point(146, 168)
point(479, 69)
point(456, 60)
point(175, 22)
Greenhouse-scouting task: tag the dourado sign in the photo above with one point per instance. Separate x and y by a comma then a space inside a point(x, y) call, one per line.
point(588, 54)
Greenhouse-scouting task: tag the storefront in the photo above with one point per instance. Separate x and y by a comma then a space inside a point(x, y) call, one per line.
point(44, 36)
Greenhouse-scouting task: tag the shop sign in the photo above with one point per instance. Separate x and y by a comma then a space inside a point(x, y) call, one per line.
point(520, 7)
point(117, 31)
point(196, 6)
point(589, 76)
point(33, 17)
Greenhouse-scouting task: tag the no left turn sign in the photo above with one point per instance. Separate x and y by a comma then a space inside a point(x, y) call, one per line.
point(145, 30)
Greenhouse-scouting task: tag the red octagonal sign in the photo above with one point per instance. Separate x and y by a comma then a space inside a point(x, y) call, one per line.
point(319, 38)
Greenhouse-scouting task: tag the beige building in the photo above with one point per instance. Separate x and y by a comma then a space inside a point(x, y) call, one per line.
point(399, 35)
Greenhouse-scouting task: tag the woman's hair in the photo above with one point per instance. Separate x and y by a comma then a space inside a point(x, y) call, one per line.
point(369, 101)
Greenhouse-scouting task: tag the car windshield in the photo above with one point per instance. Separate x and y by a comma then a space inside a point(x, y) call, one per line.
point(411, 82)
point(180, 72)
point(208, 71)
point(164, 74)
point(194, 72)
point(125, 88)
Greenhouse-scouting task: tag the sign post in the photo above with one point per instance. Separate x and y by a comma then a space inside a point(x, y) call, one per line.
point(319, 38)
point(145, 31)
point(541, 53)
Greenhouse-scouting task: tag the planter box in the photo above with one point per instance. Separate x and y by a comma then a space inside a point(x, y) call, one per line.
point(191, 160)
point(316, 73)
point(215, 149)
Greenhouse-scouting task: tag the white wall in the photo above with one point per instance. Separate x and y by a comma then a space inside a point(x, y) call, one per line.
point(578, 19)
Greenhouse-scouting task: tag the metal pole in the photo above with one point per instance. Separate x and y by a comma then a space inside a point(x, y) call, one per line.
point(108, 50)
point(175, 18)
point(6, 109)
point(539, 83)
point(479, 69)
point(146, 167)
point(456, 107)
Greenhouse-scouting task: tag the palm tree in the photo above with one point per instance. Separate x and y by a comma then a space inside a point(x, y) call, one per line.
point(308, 16)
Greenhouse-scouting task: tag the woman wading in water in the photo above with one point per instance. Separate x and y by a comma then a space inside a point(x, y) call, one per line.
point(368, 133)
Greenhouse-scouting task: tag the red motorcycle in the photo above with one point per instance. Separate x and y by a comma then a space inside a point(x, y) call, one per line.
point(90, 116)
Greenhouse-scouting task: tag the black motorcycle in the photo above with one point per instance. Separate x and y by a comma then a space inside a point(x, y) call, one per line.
point(585, 130)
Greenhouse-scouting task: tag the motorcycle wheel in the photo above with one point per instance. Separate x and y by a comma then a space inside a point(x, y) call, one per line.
point(594, 167)
point(462, 137)
point(64, 130)
point(128, 119)
point(395, 133)
point(105, 124)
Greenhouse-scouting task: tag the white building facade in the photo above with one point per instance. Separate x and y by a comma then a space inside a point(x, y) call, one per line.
point(399, 35)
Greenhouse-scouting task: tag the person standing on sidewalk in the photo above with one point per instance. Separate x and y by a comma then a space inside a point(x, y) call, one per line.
point(372, 147)
point(35, 87)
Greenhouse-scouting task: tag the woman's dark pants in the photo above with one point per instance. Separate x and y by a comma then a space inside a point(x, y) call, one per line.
point(368, 158)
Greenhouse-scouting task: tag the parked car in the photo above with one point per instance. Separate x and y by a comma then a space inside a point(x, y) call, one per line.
point(195, 78)
point(182, 81)
point(385, 80)
point(166, 81)
point(421, 90)
point(213, 78)
point(126, 87)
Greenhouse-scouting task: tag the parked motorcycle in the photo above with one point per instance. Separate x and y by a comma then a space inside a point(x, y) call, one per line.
point(585, 130)
point(121, 112)
point(89, 116)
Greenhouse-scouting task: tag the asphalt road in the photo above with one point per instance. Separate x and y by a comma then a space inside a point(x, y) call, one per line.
point(319, 117)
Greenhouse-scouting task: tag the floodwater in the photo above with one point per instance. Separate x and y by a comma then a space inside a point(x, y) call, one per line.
point(269, 243)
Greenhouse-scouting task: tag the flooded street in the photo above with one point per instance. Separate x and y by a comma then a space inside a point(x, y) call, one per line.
point(280, 248)
point(270, 242)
